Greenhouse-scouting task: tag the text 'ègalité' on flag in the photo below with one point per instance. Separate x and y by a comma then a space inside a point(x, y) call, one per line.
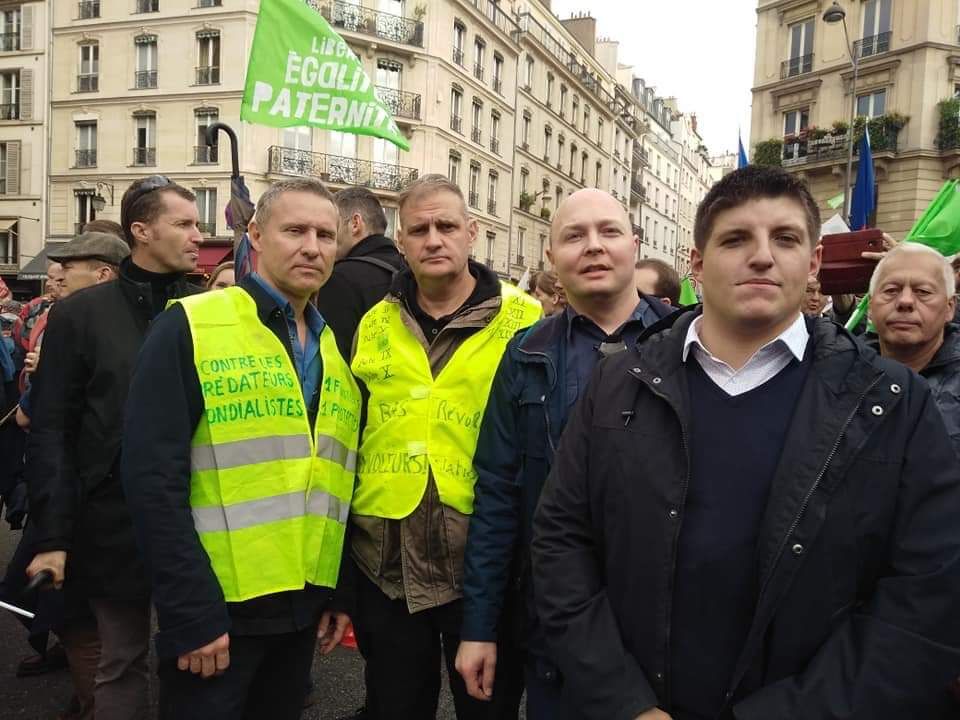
point(301, 72)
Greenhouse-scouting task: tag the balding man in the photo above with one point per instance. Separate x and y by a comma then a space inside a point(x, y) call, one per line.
point(912, 304)
point(543, 373)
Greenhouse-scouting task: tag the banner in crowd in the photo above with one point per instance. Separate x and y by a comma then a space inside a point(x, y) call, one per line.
point(302, 73)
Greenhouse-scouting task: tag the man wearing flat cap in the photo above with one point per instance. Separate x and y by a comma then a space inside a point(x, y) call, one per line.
point(90, 259)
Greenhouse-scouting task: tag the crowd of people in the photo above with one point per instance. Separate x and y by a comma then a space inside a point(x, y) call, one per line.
point(578, 492)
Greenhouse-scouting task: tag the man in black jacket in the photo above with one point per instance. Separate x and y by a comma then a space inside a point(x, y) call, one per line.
point(751, 515)
point(366, 261)
point(81, 523)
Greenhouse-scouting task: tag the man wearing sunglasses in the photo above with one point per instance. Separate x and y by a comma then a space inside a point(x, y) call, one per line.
point(84, 536)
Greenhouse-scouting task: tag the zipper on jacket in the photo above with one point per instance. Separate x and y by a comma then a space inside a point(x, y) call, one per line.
point(553, 385)
point(684, 440)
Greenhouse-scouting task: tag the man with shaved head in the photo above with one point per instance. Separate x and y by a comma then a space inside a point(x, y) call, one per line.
point(543, 373)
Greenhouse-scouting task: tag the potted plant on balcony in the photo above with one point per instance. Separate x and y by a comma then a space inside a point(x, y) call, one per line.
point(419, 12)
point(526, 201)
point(545, 213)
point(839, 128)
point(768, 153)
point(948, 135)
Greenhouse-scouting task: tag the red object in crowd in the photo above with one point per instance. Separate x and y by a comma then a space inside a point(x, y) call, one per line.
point(349, 640)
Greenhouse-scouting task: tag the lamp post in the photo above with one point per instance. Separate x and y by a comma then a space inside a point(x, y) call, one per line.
point(98, 201)
point(836, 14)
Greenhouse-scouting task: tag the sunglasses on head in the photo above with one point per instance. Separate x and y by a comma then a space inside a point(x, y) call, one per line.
point(154, 182)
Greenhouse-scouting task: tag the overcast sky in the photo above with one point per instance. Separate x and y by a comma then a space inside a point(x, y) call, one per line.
point(701, 51)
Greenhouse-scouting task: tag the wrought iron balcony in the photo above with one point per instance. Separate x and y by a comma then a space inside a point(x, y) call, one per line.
point(88, 9)
point(10, 111)
point(144, 156)
point(473, 199)
point(492, 207)
point(796, 66)
point(86, 158)
point(478, 72)
point(476, 135)
point(498, 17)
point(340, 170)
point(148, 6)
point(873, 45)
point(209, 3)
point(498, 85)
point(88, 82)
point(637, 189)
point(495, 146)
point(400, 104)
point(800, 151)
point(9, 42)
point(456, 124)
point(458, 56)
point(207, 228)
point(365, 21)
point(205, 154)
point(640, 157)
point(145, 79)
point(209, 75)
point(519, 260)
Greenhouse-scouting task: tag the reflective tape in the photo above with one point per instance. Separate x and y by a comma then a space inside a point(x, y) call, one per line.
point(249, 452)
point(329, 448)
point(220, 518)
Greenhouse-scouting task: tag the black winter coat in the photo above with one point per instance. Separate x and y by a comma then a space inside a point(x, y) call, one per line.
point(73, 451)
point(858, 557)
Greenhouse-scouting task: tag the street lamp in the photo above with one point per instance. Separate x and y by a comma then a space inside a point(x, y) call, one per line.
point(836, 14)
point(98, 201)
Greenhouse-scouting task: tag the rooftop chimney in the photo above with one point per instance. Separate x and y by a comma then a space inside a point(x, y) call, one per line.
point(583, 27)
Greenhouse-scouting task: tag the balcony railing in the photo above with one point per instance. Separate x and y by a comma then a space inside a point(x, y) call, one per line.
point(640, 157)
point(796, 66)
point(144, 156)
point(209, 75)
point(207, 228)
point(495, 146)
point(205, 154)
point(400, 104)
point(637, 189)
point(10, 111)
point(89, 82)
point(145, 79)
point(473, 199)
point(148, 6)
point(801, 151)
point(519, 260)
point(492, 207)
point(476, 135)
point(9, 42)
point(86, 158)
point(209, 3)
point(873, 45)
point(341, 170)
point(478, 72)
point(458, 56)
point(364, 21)
point(498, 85)
point(497, 16)
point(456, 124)
point(88, 9)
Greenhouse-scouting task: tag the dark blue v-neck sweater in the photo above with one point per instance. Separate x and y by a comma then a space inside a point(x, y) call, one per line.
point(735, 445)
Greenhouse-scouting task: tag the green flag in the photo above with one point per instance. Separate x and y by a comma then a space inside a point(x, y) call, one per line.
point(301, 72)
point(688, 296)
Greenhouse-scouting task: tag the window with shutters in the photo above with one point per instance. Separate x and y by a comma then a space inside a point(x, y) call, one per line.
point(10, 167)
point(86, 143)
point(206, 209)
point(145, 76)
point(10, 95)
point(10, 29)
point(88, 79)
point(9, 245)
point(208, 57)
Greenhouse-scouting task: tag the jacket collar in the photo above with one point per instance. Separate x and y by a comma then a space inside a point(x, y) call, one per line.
point(949, 352)
point(139, 293)
point(266, 304)
point(370, 245)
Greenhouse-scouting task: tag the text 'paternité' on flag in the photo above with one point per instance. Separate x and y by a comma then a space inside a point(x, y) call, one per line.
point(301, 72)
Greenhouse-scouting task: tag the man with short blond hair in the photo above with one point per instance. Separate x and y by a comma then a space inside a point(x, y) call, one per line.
point(426, 355)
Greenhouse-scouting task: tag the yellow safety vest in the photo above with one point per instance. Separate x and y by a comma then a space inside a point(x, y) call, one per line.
point(270, 498)
point(417, 423)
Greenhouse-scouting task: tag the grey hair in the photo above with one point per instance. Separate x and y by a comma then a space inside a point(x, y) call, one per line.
point(949, 279)
point(304, 185)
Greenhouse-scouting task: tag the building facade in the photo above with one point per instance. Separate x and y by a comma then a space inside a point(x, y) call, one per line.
point(695, 181)
point(24, 57)
point(909, 72)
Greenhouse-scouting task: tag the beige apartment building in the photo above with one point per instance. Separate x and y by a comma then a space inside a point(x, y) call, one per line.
point(23, 133)
point(803, 89)
point(695, 181)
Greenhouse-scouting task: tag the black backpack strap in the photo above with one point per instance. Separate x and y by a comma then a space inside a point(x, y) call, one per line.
point(382, 264)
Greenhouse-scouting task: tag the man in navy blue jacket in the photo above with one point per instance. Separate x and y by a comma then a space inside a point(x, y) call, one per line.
point(541, 376)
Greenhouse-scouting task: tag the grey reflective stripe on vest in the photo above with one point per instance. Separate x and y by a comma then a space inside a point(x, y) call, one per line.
point(219, 518)
point(329, 448)
point(249, 452)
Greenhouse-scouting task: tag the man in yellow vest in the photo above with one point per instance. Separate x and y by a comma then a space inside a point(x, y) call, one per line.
point(427, 355)
point(239, 461)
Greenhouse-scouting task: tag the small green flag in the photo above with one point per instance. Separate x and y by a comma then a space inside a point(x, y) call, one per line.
point(835, 202)
point(688, 296)
point(301, 72)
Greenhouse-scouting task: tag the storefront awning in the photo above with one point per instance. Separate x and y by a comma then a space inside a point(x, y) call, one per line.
point(36, 269)
point(212, 255)
point(7, 223)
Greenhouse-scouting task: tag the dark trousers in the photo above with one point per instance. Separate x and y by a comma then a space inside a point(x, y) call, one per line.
point(403, 661)
point(267, 678)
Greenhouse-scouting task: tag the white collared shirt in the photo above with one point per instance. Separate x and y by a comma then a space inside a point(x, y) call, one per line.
point(763, 365)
